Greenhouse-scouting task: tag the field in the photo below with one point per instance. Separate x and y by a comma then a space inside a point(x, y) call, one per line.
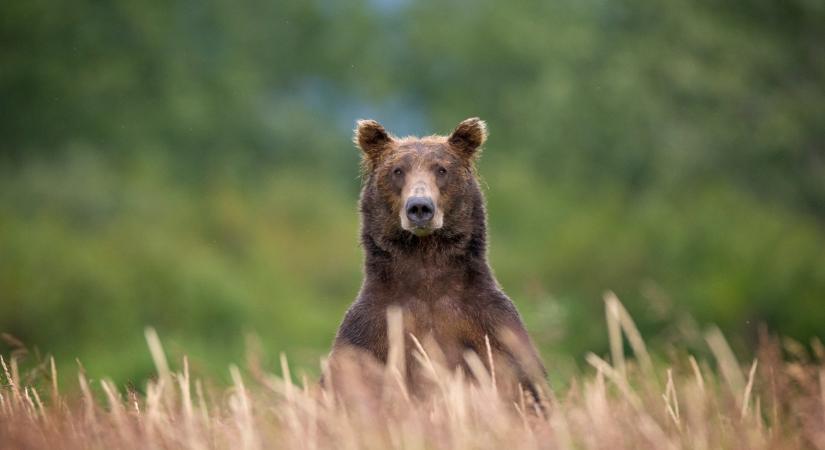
point(192, 169)
point(776, 401)
point(182, 174)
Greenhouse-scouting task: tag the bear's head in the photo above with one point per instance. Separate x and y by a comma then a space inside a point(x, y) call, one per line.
point(420, 190)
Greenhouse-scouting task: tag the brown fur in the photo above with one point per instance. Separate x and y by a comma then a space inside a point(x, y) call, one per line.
point(442, 281)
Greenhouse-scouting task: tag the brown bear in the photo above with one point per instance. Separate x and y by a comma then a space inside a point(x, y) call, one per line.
point(423, 231)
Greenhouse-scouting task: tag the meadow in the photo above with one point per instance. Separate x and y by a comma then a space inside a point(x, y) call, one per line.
point(187, 167)
point(777, 401)
point(192, 170)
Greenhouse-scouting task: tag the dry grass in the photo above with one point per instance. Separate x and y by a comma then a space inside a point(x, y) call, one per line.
point(774, 402)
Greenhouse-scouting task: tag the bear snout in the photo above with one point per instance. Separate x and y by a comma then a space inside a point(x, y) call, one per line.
point(420, 211)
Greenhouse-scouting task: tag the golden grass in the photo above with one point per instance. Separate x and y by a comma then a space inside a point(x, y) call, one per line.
point(775, 402)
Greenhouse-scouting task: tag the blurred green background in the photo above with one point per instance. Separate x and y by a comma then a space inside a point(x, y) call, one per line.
point(187, 165)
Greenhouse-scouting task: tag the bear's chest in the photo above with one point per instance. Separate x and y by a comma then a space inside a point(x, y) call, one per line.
point(443, 325)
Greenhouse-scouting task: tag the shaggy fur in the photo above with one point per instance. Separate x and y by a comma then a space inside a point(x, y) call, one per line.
point(442, 282)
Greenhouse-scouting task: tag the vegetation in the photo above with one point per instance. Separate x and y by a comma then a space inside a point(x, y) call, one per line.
point(774, 403)
point(188, 167)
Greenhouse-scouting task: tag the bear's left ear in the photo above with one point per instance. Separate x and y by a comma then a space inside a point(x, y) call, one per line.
point(468, 136)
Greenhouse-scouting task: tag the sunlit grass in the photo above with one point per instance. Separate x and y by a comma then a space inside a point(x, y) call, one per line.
point(624, 402)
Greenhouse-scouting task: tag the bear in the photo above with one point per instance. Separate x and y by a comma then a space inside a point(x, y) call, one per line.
point(424, 238)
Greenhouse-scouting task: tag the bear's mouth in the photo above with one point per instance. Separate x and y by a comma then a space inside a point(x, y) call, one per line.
point(422, 231)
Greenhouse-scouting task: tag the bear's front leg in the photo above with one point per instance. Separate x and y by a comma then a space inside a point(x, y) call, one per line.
point(515, 358)
point(359, 350)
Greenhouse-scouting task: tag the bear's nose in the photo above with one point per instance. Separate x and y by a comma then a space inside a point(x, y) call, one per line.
point(420, 210)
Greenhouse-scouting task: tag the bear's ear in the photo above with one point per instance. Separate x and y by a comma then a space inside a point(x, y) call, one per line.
point(372, 139)
point(468, 136)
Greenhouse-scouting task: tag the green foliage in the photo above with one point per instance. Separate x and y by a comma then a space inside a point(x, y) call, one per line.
point(187, 165)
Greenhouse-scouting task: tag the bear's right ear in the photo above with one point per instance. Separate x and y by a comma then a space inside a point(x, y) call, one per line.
point(372, 139)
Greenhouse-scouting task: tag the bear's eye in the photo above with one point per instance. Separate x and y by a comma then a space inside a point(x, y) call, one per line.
point(442, 171)
point(398, 172)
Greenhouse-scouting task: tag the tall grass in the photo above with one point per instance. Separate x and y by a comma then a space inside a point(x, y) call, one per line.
point(627, 402)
